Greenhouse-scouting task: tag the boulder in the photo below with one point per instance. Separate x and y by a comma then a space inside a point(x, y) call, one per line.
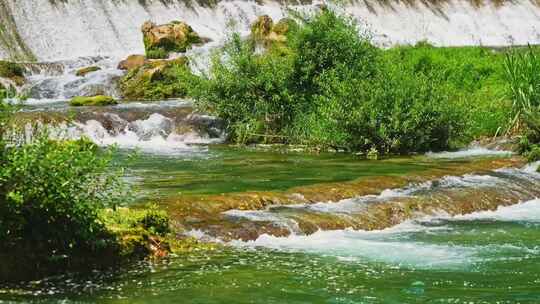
point(266, 31)
point(132, 62)
point(87, 70)
point(156, 79)
point(99, 100)
point(161, 40)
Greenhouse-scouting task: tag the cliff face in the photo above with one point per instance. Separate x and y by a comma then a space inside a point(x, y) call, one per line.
point(63, 29)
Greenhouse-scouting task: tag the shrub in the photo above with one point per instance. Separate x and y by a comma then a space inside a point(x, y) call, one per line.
point(50, 195)
point(328, 86)
point(251, 92)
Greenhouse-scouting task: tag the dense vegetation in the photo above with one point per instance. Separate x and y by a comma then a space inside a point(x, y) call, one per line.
point(328, 86)
point(53, 195)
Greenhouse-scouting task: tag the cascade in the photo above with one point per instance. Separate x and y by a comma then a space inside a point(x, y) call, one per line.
point(59, 30)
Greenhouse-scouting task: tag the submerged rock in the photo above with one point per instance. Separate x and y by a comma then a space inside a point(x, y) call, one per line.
point(87, 70)
point(132, 62)
point(99, 100)
point(161, 40)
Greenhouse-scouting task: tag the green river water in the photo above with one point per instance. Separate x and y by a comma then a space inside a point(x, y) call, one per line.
point(483, 257)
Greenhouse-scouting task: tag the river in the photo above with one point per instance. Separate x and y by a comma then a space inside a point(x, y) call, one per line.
point(456, 227)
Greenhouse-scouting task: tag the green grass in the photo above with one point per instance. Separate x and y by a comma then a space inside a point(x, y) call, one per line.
point(474, 75)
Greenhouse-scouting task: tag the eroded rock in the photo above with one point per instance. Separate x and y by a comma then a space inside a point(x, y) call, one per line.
point(174, 37)
point(266, 31)
point(132, 62)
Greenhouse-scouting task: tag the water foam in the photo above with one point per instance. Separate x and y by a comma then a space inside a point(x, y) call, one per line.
point(155, 134)
point(370, 246)
point(90, 27)
point(528, 211)
point(44, 86)
point(471, 152)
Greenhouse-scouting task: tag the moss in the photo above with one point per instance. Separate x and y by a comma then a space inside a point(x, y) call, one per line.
point(157, 53)
point(13, 71)
point(160, 79)
point(99, 100)
point(87, 70)
point(130, 234)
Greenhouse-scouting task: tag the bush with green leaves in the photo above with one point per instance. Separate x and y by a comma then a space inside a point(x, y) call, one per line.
point(329, 86)
point(51, 192)
point(251, 92)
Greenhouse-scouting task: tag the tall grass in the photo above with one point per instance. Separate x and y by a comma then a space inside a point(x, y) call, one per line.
point(523, 77)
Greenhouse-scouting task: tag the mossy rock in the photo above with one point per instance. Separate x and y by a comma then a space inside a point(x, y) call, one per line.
point(12, 71)
point(266, 31)
point(132, 62)
point(175, 37)
point(157, 79)
point(284, 26)
point(99, 100)
point(87, 70)
point(262, 27)
point(131, 234)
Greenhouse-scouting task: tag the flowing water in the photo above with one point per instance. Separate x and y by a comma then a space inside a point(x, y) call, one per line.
point(455, 227)
point(291, 226)
point(69, 29)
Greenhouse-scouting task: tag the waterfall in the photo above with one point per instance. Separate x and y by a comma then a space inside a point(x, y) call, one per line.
point(59, 30)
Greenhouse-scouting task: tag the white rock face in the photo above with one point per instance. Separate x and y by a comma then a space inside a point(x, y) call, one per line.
point(55, 30)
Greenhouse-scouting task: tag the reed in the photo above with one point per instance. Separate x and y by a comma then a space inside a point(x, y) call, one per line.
point(522, 71)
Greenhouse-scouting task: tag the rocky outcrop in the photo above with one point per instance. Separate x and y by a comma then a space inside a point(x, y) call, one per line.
point(265, 31)
point(174, 37)
point(156, 79)
point(132, 62)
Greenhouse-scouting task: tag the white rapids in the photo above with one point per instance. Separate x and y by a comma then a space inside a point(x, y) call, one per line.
point(419, 243)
